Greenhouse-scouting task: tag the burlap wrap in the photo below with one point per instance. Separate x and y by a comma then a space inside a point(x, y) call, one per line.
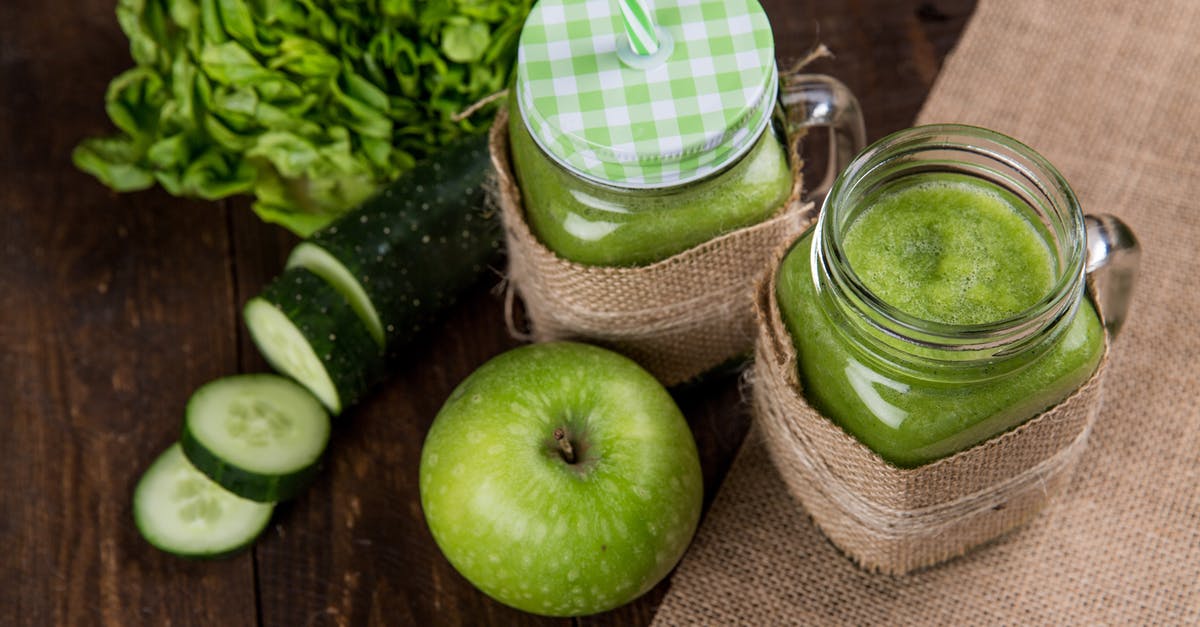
point(678, 318)
point(1108, 91)
point(895, 520)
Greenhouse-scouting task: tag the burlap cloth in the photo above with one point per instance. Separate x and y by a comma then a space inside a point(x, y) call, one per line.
point(678, 318)
point(1109, 91)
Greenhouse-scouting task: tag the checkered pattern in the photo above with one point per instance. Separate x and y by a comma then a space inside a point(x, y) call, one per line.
point(669, 124)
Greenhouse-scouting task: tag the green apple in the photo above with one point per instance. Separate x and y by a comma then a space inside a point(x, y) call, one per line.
point(561, 479)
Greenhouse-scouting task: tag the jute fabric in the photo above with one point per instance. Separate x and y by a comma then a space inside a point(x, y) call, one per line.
point(895, 520)
point(678, 318)
point(1109, 91)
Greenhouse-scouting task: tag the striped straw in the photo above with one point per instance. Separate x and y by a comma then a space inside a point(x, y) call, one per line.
point(639, 26)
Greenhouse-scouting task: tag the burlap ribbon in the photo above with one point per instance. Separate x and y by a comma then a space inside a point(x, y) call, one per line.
point(896, 520)
point(678, 318)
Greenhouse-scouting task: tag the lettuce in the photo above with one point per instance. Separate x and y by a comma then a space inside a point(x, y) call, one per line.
point(311, 106)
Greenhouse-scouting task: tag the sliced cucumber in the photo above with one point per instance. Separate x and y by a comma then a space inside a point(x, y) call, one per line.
point(406, 254)
point(259, 435)
point(181, 511)
point(307, 330)
point(321, 263)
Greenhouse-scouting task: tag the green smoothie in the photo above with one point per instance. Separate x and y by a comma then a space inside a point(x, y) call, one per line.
point(606, 226)
point(941, 248)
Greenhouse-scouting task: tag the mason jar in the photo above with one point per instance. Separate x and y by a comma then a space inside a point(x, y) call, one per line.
point(942, 296)
point(624, 160)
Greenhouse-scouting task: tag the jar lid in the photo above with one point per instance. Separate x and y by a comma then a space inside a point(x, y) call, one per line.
point(615, 118)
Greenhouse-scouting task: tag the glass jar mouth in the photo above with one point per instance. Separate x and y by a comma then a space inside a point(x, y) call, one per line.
point(975, 152)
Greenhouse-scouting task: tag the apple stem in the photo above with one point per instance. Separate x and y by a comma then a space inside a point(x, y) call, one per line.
point(564, 445)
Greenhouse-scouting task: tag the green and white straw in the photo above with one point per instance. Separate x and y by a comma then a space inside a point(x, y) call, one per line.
point(639, 26)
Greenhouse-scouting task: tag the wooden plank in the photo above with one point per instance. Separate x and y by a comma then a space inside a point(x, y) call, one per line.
point(888, 52)
point(112, 309)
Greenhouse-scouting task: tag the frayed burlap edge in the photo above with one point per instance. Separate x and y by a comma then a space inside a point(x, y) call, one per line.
point(895, 520)
point(678, 318)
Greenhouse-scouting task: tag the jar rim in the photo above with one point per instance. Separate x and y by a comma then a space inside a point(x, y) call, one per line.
point(991, 338)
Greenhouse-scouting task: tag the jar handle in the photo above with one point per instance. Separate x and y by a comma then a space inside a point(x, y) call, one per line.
point(1112, 261)
point(817, 100)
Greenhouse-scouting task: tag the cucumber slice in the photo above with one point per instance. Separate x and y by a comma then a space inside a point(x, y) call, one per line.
point(260, 436)
point(321, 263)
point(179, 510)
point(405, 255)
point(307, 330)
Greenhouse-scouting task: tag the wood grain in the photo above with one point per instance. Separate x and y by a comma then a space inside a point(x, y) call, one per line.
point(115, 307)
point(107, 323)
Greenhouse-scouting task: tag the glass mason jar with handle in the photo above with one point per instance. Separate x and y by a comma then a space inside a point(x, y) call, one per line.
point(628, 153)
point(940, 299)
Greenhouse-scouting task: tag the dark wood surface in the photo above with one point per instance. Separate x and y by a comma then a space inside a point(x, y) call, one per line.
point(113, 308)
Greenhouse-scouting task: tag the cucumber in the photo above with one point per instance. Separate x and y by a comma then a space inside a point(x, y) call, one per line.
point(307, 330)
point(181, 511)
point(406, 254)
point(259, 436)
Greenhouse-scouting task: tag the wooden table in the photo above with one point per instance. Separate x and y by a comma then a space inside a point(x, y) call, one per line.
point(116, 307)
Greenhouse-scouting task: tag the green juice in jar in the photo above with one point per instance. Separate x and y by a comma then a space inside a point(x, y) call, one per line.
point(626, 157)
point(601, 225)
point(949, 249)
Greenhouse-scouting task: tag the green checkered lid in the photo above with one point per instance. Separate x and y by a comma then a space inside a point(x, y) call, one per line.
point(617, 118)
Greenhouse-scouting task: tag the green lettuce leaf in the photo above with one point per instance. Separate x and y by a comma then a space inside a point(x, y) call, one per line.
point(309, 106)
